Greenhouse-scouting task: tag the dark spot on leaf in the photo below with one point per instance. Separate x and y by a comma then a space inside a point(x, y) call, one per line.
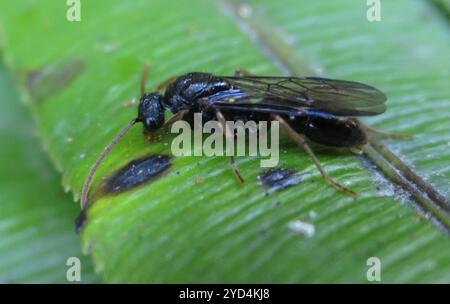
point(279, 178)
point(50, 80)
point(136, 173)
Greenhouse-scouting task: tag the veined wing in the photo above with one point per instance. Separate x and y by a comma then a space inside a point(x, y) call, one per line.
point(295, 94)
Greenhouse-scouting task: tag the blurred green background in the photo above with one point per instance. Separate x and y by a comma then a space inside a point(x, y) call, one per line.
point(70, 83)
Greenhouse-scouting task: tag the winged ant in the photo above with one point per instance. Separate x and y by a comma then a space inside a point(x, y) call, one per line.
point(320, 109)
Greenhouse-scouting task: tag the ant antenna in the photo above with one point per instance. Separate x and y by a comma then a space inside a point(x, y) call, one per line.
point(98, 162)
point(88, 183)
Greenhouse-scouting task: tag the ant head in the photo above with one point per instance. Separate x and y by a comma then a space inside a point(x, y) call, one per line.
point(151, 112)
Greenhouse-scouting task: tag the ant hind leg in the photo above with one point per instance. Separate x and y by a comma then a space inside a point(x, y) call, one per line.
point(300, 141)
point(242, 72)
point(380, 134)
point(166, 126)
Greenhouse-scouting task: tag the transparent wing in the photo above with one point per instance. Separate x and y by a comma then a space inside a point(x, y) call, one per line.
point(294, 94)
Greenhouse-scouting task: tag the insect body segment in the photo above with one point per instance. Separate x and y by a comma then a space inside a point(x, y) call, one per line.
point(329, 130)
point(320, 109)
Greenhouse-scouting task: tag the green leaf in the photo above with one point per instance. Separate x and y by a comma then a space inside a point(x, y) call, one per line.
point(180, 229)
point(36, 228)
point(443, 6)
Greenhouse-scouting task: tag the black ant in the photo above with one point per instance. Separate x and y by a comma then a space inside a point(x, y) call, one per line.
point(321, 109)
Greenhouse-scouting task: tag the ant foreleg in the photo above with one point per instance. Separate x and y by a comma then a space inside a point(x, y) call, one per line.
point(166, 83)
point(175, 117)
point(144, 77)
point(300, 141)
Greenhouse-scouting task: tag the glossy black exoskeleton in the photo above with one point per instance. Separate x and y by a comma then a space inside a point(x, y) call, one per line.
point(321, 109)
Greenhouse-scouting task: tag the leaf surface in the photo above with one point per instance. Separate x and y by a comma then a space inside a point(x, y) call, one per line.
point(195, 223)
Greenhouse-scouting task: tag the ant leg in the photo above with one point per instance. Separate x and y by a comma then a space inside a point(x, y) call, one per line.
point(166, 126)
point(144, 77)
point(229, 136)
point(299, 140)
point(373, 132)
point(175, 117)
point(356, 150)
point(242, 72)
point(166, 83)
